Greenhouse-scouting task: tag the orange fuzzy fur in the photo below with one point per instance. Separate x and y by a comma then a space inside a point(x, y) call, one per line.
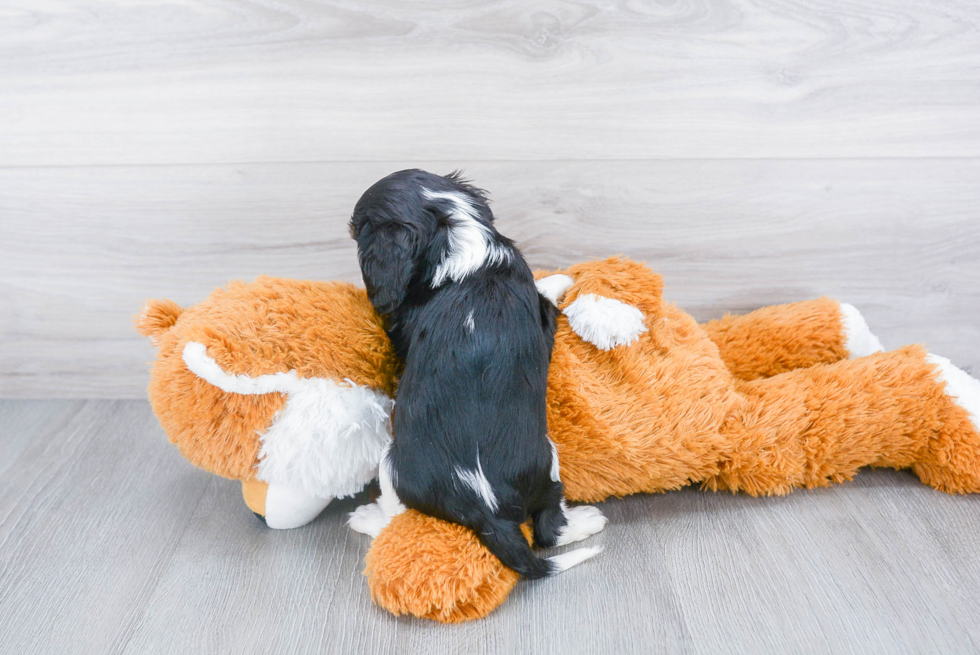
point(797, 335)
point(670, 410)
point(318, 329)
point(762, 403)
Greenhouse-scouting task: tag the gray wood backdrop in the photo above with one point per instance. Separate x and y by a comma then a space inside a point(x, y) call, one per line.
point(752, 152)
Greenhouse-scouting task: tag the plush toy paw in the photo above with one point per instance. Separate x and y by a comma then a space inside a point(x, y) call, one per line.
point(437, 570)
point(280, 507)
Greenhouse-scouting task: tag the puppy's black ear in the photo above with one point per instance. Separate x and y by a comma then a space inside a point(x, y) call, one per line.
point(549, 318)
point(388, 256)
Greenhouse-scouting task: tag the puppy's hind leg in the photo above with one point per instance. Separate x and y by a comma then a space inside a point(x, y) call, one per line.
point(504, 538)
point(550, 521)
point(557, 524)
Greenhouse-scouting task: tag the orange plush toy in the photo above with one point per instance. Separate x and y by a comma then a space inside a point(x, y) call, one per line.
point(641, 399)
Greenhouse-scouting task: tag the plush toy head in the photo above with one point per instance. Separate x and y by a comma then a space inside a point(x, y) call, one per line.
point(279, 382)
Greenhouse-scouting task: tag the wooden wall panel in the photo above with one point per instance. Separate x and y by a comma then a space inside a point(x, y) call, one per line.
point(213, 81)
point(83, 247)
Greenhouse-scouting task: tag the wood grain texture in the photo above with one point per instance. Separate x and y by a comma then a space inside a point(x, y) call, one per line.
point(113, 544)
point(213, 81)
point(84, 247)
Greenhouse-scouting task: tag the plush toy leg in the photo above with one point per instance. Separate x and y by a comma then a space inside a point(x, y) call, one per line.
point(433, 569)
point(281, 507)
point(782, 338)
point(815, 426)
point(425, 567)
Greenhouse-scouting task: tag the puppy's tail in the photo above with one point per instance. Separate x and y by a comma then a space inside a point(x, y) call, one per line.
point(505, 540)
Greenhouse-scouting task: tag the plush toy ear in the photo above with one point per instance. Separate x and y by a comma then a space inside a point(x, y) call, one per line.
point(157, 316)
point(388, 255)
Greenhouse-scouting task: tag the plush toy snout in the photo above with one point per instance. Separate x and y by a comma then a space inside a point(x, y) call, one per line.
point(280, 507)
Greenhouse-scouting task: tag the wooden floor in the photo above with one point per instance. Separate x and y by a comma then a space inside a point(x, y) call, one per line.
point(111, 543)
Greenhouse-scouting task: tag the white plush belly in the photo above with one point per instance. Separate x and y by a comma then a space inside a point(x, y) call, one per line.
point(328, 438)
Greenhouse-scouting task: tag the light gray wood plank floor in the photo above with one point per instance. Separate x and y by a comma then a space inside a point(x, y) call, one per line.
point(111, 543)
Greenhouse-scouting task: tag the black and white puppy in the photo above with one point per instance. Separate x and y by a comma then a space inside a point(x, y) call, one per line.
point(471, 443)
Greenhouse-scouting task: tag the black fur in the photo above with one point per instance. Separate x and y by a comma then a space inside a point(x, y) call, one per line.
point(464, 393)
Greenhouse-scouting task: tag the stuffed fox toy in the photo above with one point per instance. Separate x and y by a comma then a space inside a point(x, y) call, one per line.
point(287, 387)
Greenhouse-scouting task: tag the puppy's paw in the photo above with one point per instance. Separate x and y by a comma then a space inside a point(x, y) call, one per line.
point(583, 522)
point(368, 519)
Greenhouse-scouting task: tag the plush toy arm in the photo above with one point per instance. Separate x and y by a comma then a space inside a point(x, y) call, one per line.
point(782, 338)
point(608, 303)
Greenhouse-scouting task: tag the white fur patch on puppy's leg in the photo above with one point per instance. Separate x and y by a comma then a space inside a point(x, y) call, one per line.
point(960, 386)
point(554, 287)
point(371, 519)
point(859, 340)
point(555, 465)
point(583, 521)
point(605, 322)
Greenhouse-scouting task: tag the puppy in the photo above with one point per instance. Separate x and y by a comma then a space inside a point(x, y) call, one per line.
point(471, 443)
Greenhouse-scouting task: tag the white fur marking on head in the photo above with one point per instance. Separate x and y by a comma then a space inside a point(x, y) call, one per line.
point(605, 322)
point(554, 287)
point(859, 340)
point(960, 386)
point(469, 240)
point(555, 467)
point(478, 482)
point(582, 521)
point(327, 439)
point(468, 323)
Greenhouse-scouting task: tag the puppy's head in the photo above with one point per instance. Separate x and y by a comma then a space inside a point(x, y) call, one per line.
point(407, 225)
